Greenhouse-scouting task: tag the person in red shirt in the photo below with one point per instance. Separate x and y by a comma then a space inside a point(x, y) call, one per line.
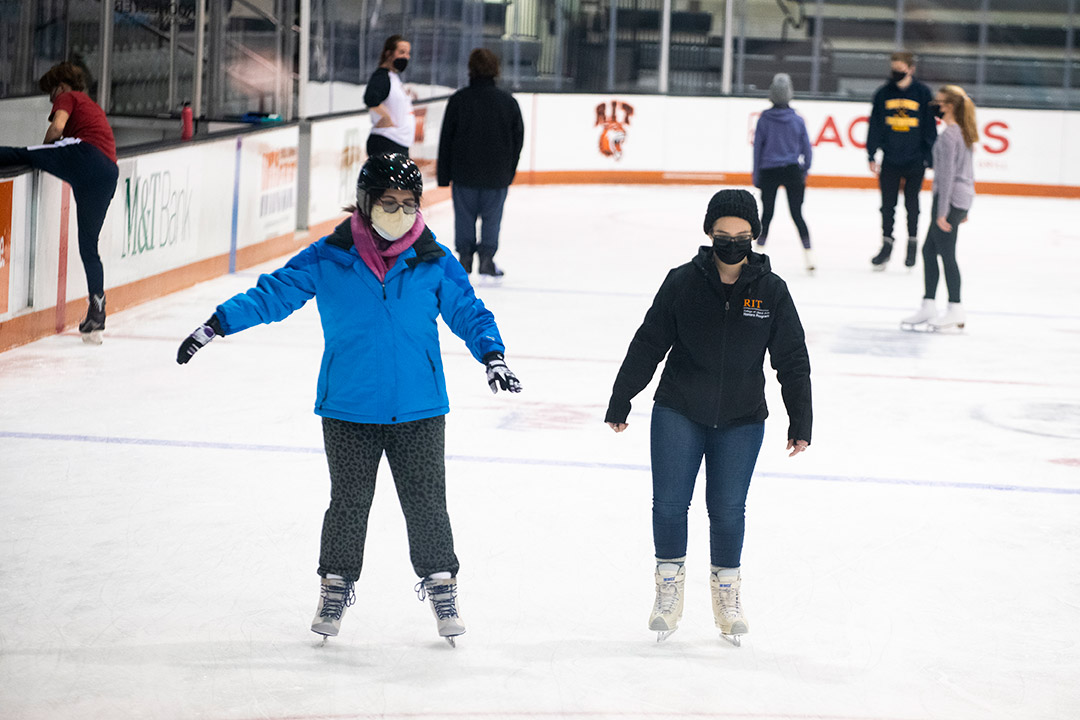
point(80, 149)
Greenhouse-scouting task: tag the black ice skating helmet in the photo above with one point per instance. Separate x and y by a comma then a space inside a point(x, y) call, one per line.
point(393, 171)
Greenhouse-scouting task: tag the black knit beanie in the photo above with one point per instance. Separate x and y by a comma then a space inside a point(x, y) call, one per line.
point(733, 203)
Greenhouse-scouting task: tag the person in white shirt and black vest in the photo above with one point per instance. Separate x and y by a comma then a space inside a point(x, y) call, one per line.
point(393, 120)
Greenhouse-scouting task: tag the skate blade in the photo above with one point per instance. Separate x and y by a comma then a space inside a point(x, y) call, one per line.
point(452, 641)
point(664, 635)
point(879, 268)
point(916, 327)
point(735, 640)
point(956, 329)
point(93, 337)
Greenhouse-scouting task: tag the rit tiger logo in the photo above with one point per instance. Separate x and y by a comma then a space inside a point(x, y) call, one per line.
point(613, 134)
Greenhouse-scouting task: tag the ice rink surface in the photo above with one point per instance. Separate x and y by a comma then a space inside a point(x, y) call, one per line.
point(159, 525)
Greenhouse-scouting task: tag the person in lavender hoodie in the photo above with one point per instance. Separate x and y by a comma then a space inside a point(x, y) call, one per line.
point(954, 191)
point(782, 156)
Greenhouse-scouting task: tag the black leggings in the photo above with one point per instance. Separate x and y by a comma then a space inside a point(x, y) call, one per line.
point(380, 145)
point(92, 177)
point(791, 177)
point(416, 453)
point(889, 180)
point(939, 242)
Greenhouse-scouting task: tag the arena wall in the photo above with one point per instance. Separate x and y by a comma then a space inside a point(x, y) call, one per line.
point(187, 212)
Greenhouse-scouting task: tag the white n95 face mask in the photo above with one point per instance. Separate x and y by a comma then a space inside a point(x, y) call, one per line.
point(391, 225)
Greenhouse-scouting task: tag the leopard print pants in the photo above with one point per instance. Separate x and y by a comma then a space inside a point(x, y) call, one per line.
point(416, 453)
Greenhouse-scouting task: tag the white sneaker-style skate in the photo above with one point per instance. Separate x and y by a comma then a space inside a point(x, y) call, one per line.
point(442, 593)
point(926, 312)
point(808, 256)
point(668, 608)
point(727, 610)
point(954, 317)
point(335, 595)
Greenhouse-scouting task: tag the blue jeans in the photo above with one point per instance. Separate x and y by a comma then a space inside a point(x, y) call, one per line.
point(469, 204)
point(730, 453)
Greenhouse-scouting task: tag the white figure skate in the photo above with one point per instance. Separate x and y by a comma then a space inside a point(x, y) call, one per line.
point(668, 608)
point(922, 317)
point(442, 594)
point(335, 595)
point(727, 610)
point(953, 319)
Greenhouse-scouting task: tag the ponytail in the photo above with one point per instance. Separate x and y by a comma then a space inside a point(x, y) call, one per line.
point(967, 122)
point(963, 111)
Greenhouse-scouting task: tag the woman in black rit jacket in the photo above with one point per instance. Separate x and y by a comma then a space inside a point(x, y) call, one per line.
point(717, 315)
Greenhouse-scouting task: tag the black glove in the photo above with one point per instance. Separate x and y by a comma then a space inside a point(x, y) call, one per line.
point(202, 335)
point(499, 376)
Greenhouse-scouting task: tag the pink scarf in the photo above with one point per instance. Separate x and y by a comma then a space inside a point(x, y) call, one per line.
point(378, 253)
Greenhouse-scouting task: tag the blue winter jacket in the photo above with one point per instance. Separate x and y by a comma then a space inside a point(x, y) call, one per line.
point(381, 362)
point(780, 139)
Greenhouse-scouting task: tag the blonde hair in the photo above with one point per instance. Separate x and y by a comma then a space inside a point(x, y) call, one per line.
point(963, 111)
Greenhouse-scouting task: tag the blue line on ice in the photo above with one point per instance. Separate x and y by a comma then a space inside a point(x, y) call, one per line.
point(252, 447)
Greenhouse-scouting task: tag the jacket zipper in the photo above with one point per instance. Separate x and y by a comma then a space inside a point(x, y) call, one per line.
point(723, 351)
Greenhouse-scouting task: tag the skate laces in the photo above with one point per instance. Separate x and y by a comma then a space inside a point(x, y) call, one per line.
point(336, 598)
point(728, 596)
point(442, 597)
point(667, 596)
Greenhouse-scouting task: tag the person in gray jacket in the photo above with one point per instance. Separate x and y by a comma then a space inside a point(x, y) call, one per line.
point(954, 191)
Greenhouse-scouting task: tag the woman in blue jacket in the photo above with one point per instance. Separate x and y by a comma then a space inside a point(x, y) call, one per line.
point(380, 281)
point(782, 156)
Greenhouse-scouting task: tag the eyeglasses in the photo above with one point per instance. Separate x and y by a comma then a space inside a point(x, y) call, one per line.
point(724, 237)
point(389, 205)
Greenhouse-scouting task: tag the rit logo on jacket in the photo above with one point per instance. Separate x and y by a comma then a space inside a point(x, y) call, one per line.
point(752, 309)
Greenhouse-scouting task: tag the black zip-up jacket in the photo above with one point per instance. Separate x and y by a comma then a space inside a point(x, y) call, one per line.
point(482, 135)
point(902, 124)
point(714, 373)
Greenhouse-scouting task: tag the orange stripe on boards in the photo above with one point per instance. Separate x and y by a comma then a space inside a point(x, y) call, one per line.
point(657, 177)
point(61, 272)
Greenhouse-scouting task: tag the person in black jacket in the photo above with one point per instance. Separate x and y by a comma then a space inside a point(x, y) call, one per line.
point(901, 125)
point(482, 135)
point(717, 315)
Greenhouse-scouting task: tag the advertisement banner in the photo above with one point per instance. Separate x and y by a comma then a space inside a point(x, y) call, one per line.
point(6, 196)
point(170, 208)
point(600, 138)
point(337, 154)
point(268, 166)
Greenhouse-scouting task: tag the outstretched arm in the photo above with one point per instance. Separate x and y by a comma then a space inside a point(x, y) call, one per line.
point(274, 297)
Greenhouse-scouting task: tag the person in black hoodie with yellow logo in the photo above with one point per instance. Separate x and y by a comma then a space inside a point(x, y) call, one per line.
point(717, 315)
point(902, 126)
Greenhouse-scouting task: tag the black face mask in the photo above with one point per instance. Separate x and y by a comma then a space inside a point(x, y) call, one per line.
point(897, 75)
point(731, 252)
point(400, 64)
point(938, 112)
